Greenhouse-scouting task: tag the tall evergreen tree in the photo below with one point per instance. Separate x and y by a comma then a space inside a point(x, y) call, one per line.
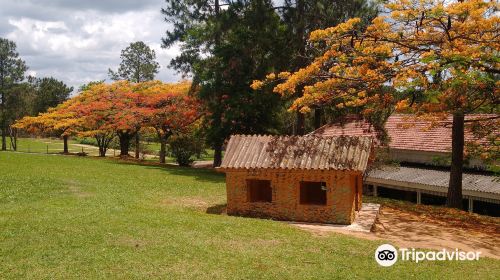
point(253, 44)
point(49, 92)
point(224, 50)
point(138, 64)
point(20, 100)
point(12, 69)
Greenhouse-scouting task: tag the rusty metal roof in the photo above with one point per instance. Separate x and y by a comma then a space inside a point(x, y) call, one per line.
point(309, 152)
point(436, 178)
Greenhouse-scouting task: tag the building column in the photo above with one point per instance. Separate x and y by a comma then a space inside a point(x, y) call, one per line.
point(375, 191)
point(419, 197)
point(471, 205)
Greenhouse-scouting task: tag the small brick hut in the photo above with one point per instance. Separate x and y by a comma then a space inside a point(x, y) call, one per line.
point(298, 178)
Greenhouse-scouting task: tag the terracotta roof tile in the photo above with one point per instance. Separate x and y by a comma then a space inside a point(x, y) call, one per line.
point(404, 131)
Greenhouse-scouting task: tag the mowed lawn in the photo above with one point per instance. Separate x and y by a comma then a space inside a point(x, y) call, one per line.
point(55, 146)
point(69, 217)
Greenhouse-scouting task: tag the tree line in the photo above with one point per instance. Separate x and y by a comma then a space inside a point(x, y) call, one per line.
point(123, 109)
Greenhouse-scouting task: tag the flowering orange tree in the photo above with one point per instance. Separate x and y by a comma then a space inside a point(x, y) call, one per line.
point(56, 120)
point(428, 57)
point(169, 109)
point(93, 110)
point(109, 109)
point(104, 111)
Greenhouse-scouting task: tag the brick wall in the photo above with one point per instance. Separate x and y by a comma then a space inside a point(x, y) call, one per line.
point(341, 195)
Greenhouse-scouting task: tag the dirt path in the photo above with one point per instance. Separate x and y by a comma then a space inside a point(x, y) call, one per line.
point(411, 230)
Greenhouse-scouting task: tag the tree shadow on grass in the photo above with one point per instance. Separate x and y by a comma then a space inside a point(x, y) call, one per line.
point(199, 174)
point(218, 209)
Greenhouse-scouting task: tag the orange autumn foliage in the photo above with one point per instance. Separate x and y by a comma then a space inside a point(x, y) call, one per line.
point(442, 54)
point(104, 110)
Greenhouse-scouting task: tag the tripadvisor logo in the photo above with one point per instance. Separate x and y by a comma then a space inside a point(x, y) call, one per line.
point(387, 255)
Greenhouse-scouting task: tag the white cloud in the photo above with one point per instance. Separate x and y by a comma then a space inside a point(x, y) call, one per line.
point(83, 43)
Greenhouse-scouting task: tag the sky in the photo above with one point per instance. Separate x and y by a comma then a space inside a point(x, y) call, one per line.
point(77, 41)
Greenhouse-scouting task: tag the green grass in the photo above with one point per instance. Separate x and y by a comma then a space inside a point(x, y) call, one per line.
point(55, 146)
point(40, 145)
point(68, 217)
point(52, 146)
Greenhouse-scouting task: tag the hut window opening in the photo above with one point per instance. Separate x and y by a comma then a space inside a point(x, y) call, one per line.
point(259, 190)
point(312, 193)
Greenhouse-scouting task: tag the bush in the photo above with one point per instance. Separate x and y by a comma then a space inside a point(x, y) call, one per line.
point(185, 147)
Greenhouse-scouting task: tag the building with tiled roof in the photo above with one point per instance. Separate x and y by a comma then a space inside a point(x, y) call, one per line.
point(414, 142)
point(411, 140)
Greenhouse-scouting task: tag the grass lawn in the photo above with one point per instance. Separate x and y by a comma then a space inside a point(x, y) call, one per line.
point(40, 145)
point(70, 217)
point(55, 146)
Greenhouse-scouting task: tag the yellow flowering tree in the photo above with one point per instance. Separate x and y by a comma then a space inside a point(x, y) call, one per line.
point(428, 57)
point(58, 121)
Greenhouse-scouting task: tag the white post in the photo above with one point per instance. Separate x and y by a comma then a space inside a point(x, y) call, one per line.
point(375, 191)
point(471, 205)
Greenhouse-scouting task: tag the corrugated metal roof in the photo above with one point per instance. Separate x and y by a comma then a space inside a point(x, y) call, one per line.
point(406, 132)
point(297, 152)
point(436, 178)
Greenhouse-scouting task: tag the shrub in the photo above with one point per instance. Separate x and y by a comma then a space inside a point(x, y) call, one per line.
point(185, 147)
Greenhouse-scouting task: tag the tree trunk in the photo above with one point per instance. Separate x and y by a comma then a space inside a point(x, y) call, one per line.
point(454, 198)
point(300, 126)
point(163, 149)
point(218, 147)
point(217, 155)
point(13, 138)
point(102, 151)
point(318, 113)
point(137, 143)
point(124, 138)
point(101, 143)
point(14, 143)
point(4, 137)
point(3, 123)
point(65, 141)
point(301, 61)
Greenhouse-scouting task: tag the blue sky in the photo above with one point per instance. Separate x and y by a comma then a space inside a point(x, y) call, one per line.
point(77, 41)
